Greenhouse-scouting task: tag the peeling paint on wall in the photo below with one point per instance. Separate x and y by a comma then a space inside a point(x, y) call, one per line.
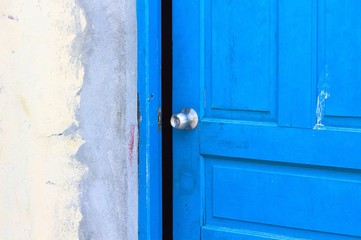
point(68, 135)
point(39, 79)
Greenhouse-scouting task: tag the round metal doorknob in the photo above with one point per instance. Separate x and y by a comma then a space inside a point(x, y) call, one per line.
point(187, 119)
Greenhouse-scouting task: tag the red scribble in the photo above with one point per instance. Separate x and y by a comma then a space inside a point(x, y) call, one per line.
point(131, 144)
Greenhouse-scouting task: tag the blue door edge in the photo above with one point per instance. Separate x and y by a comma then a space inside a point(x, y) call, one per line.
point(149, 104)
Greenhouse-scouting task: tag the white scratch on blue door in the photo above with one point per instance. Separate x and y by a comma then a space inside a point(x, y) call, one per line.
point(323, 95)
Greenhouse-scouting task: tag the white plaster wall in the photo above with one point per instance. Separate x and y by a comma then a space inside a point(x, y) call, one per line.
point(68, 130)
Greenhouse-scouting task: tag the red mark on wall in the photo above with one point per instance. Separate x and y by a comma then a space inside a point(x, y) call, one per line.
point(131, 144)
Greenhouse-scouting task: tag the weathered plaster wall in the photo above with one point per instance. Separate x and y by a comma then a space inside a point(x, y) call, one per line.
point(68, 131)
point(107, 117)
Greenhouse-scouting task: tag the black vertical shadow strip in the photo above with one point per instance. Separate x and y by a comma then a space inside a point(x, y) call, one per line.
point(167, 153)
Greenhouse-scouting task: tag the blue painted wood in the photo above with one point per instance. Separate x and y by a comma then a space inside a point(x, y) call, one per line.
point(149, 91)
point(229, 71)
point(340, 61)
point(277, 153)
point(289, 196)
point(211, 232)
point(187, 175)
point(327, 147)
point(235, 66)
point(297, 68)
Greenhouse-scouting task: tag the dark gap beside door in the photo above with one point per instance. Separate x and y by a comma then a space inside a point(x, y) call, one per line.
point(167, 153)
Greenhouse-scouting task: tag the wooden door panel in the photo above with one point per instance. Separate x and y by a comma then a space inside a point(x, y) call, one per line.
point(235, 59)
point(242, 38)
point(282, 195)
point(329, 148)
point(339, 55)
point(276, 154)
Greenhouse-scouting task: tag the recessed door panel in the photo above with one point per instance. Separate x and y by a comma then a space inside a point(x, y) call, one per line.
point(243, 43)
point(339, 62)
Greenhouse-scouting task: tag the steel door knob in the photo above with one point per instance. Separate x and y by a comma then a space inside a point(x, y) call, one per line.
point(186, 119)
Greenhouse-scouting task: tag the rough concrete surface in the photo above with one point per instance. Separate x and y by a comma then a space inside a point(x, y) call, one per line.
point(109, 189)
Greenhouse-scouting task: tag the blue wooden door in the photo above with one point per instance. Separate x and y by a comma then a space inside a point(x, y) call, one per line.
point(277, 151)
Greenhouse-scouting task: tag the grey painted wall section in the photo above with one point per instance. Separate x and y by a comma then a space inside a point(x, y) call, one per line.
point(108, 120)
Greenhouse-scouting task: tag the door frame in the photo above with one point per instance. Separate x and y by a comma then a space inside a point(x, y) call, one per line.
point(149, 119)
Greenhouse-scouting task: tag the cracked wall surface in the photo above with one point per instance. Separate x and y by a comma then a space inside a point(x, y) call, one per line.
point(68, 130)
